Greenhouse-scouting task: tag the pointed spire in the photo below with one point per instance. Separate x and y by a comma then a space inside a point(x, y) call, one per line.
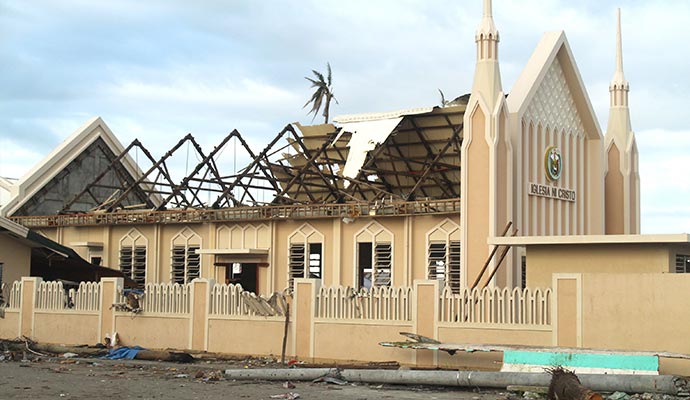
point(487, 28)
point(487, 76)
point(487, 8)
point(619, 77)
point(619, 128)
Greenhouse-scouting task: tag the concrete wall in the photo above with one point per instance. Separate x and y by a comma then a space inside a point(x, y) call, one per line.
point(258, 336)
point(151, 331)
point(308, 337)
point(358, 340)
point(543, 261)
point(636, 311)
point(16, 259)
point(65, 327)
point(9, 326)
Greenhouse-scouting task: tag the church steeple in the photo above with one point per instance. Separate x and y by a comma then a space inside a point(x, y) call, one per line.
point(487, 76)
point(622, 181)
point(619, 127)
point(619, 87)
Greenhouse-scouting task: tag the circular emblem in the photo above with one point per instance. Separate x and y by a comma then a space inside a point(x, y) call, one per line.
point(553, 163)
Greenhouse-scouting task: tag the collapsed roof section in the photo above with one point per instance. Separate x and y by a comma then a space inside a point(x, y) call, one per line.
point(406, 155)
point(403, 155)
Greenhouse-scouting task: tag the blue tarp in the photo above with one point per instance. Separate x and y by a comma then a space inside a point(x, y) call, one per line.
point(124, 353)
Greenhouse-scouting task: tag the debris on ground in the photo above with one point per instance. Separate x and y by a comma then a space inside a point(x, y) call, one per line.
point(333, 376)
point(565, 385)
point(288, 396)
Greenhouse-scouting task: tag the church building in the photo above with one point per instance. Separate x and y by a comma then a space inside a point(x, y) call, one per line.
point(375, 199)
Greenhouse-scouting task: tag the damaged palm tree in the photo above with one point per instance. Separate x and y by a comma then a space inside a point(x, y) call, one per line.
point(323, 93)
point(565, 385)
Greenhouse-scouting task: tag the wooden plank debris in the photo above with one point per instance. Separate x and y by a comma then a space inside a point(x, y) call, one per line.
point(426, 343)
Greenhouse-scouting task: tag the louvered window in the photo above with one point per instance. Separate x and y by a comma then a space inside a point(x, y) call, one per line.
point(303, 264)
point(682, 264)
point(185, 264)
point(382, 264)
point(437, 261)
point(453, 270)
point(375, 263)
point(444, 263)
point(315, 262)
point(297, 260)
point(133, 262)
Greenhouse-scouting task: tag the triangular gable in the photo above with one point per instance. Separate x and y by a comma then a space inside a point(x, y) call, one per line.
point(57, 162)
point(553, 48)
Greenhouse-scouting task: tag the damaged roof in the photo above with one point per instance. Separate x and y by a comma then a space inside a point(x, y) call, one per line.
point(401, 155)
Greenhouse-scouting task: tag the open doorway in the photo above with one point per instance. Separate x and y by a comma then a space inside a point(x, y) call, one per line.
point(244, 274)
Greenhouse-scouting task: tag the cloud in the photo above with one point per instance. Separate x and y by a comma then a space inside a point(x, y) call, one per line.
point(159, 69)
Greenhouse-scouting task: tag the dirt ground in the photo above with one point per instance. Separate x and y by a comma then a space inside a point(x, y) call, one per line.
point(55, 378)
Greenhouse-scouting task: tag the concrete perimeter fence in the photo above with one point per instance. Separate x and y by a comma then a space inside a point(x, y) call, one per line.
point(340, 323)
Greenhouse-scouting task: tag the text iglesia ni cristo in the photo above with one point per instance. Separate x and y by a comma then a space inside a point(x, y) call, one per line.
point(551, 192)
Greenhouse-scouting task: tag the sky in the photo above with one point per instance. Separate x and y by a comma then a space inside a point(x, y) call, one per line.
point(159, 69)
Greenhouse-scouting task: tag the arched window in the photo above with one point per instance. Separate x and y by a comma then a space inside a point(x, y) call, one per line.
point(443, 254)
point(306, 254)
point(133, 256)
point(374, 256)
point(185, 263)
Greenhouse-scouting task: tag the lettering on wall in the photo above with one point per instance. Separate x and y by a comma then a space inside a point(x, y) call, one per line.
point(551, 192)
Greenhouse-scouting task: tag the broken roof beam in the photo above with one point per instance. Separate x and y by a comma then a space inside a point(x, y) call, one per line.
point(157, 166)
point(299, 176)
point(113, 166)
point(454, 137)
point(257, 162)
point(312, 157)
point(199, 167)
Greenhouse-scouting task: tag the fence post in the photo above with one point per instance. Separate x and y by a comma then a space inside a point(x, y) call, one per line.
point(302, 313)
point(198, 313)
point(110, 288)
point(425, 317)
point(27, 305)
point(567, 310)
